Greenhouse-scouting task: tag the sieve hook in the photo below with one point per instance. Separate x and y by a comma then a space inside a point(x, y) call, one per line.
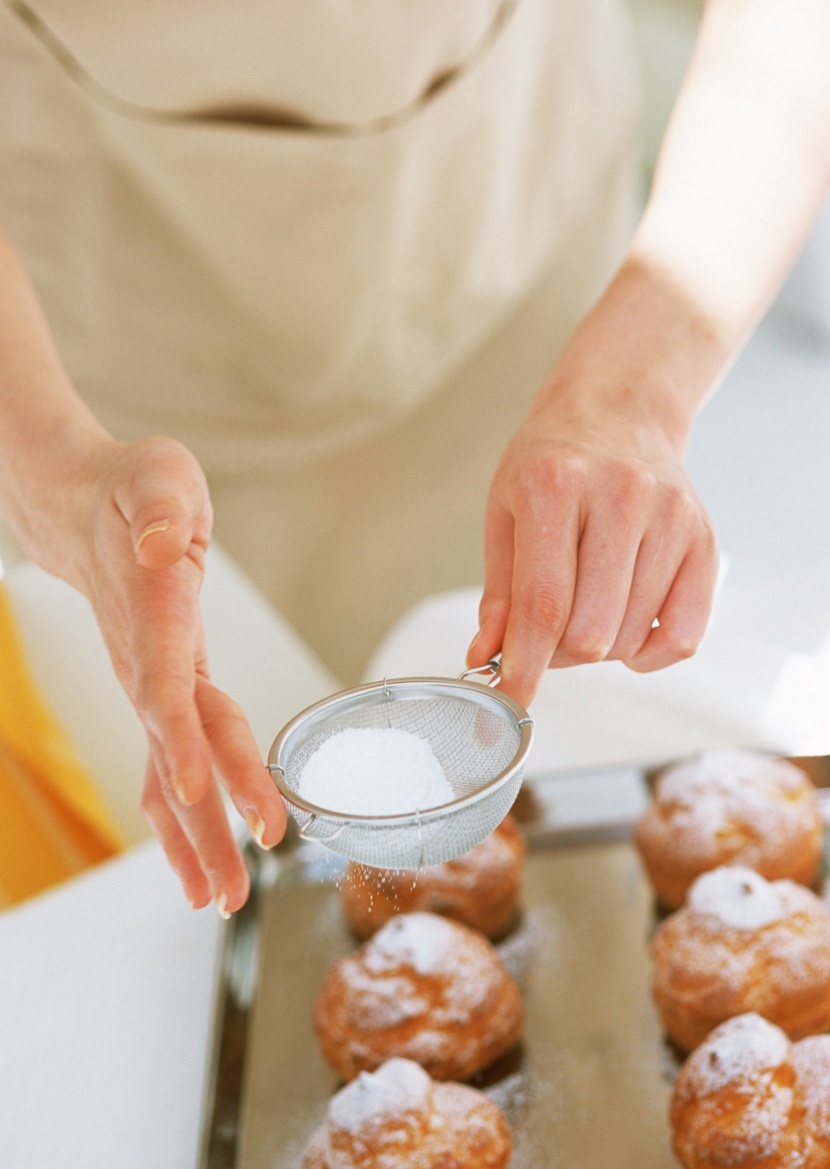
point(493, 667)
point(304, 835)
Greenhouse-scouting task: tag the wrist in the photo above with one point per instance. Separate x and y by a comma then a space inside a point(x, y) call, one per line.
point(645, 356)
point(54, 492)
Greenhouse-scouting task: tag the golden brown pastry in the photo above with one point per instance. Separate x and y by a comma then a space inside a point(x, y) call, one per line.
point(741, 944)
point(811, 1104)
point(481, 889)
point(729, 807)
point(748, 1097)
point(423, 988)
point(398, 1118)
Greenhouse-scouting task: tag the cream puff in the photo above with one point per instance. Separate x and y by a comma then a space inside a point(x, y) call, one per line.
point(398, 1118)
point(729, 807)
point(748, 1097)
point(481, 889)
point(739, 944)
point(423, 988)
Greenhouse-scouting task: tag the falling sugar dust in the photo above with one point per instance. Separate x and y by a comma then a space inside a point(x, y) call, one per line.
point(375, 771)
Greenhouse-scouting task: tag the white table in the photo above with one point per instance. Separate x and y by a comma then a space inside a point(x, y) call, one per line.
point(106, 989)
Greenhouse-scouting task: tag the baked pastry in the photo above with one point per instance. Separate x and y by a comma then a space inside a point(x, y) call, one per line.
point(747, 1096)
point(481, 888)
point(398, 1118)
point(729, 807)
point(423, 988)
point(741, 944)
point(811, 1060)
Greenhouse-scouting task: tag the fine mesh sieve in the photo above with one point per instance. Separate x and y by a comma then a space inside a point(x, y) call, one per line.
point(478, 735)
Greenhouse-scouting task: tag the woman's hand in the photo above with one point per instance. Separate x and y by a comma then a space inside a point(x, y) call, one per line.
point(143, 522)
point(129, 525)
point(596, 544)
point(593, 532)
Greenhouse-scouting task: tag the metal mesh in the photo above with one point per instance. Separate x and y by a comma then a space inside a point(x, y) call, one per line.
point(475, 734)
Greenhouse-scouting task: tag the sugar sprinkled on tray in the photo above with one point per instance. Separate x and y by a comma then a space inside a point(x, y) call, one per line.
point(375, 771)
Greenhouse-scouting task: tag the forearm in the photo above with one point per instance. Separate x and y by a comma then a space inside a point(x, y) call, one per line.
point(47, 434)
point(745, 163)
point(744, 167)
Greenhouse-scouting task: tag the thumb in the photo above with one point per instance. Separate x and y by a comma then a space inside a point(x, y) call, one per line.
point(162, 494)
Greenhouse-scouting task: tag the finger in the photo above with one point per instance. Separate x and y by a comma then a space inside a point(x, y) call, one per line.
point(658, 562)
point(605, 568)
point(165, 679)
point(165, 502)
point(206, 827)
point(498, 578)
point(177, 848)
point(241, 769)
point(684, 614)
point(672, 532)
point(544, 579)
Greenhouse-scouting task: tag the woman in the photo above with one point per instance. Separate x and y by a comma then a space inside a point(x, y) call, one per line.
point(312, 246)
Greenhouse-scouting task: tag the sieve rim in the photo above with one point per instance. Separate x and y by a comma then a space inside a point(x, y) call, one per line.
point(477, 692)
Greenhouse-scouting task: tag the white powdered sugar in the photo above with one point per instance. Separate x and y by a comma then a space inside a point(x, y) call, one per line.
point(739, 897)
point(374, 771)
point(398, 1087)
point(811, 1059)
point(737, 1050)
point(423, 941)
point(720, 791)
point(744, 774)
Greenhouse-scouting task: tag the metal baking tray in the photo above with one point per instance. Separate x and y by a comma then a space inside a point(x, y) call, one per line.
point(592, 1082)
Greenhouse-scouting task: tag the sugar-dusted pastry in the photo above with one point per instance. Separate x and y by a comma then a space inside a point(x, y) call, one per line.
point(811, 1060)
point(729, 807)
point(422, 988)
point(739, 944)
point(481, 889)
point(398, 1118)
point(748, 1097)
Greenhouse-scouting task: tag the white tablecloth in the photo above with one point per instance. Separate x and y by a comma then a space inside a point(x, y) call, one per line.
point(106, 988)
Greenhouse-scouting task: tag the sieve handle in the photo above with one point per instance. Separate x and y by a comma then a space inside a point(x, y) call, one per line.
point(493, 667)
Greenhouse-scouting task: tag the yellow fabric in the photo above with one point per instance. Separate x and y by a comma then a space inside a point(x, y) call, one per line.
point(53, 822)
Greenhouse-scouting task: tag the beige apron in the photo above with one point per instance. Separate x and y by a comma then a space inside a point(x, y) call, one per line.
point(333, 247)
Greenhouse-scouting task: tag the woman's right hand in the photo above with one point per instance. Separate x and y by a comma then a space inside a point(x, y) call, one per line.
point(128, 524)
point(148, 530)
point(134, 543)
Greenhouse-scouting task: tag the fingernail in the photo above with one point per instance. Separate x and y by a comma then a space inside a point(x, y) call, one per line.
point(221, 904)
point(181, 794)
point(256, 827)
point(151, 529)
point(473, 643)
